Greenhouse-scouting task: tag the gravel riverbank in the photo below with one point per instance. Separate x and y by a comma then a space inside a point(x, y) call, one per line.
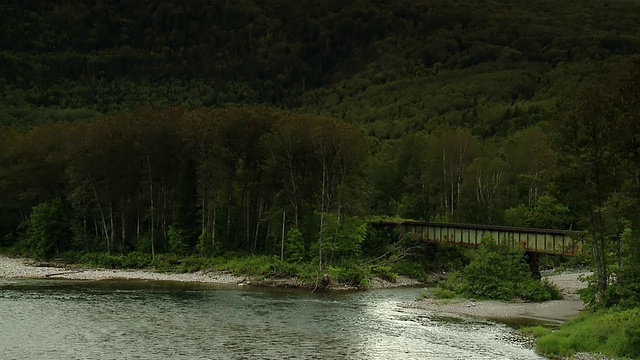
point(24, 268)
point(556, 310)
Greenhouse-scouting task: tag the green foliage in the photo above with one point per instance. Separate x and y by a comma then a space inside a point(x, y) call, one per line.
point(624, 289)
point(384, 272)
point(535, 331)
point(132, 260)
point(349, 274)
point(141, 244)
point(294, 247)
point(247, 265)
point(378, 239)
point(9, 222)
point(409, 268)
point(128, 176)
point(49, 229)
point(612, 333)
point(629, 288)
point(516, 216)
point(548, 213)
point(542, 290)
point(206, 247)
point(441, 293)
point(177, 241)
point(499, 272)
point(343, 237)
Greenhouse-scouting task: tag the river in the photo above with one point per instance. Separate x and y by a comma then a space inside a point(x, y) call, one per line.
point(62, 319)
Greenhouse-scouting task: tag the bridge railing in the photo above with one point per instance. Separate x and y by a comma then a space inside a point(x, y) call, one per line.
point(535, 240)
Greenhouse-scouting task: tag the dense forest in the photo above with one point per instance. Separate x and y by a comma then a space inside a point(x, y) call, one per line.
point(211, 126)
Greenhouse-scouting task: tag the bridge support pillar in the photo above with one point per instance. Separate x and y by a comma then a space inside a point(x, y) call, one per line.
point(534, 264)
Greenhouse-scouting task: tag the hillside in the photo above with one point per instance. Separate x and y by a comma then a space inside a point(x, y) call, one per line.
point(395, 67)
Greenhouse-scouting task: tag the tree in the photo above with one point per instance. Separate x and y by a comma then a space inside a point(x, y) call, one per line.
point(548, 213)
point(454, 151)
point(49, 229)
point(485, 190)
point(532, 161)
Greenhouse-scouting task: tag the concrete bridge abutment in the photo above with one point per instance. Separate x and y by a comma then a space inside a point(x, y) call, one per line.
point(534, 264)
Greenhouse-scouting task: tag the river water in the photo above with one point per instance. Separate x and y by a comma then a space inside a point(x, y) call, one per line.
point(56, 319)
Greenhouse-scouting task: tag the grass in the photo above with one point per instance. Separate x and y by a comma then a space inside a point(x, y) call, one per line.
point(441, 293)
point(536, 331)
point(260, 266)
point(614, 333)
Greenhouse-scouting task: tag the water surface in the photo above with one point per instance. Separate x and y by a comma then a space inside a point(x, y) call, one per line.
point(59, 319)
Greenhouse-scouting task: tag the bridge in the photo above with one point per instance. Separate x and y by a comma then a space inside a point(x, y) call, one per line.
point(545, 241)
point(533, 241)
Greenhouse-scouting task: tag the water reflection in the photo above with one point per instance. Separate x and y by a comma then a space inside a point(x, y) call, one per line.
point(122, 320)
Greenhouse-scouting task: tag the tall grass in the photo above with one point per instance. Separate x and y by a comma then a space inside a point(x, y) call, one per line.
point(614, 333)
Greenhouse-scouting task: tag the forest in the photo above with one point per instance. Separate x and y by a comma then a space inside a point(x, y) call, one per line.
point(211, 128)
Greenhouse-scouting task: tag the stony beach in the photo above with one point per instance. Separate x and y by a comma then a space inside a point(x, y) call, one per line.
point(555, 311)
point(551, 311)
point(24, 268)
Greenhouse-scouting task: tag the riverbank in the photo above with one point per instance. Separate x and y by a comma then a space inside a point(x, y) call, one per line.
point(553, 311)
point(26, 268)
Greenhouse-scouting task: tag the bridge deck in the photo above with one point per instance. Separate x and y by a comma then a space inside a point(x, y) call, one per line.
point(533, 240)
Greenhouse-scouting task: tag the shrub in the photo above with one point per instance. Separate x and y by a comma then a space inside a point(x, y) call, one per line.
point(206, 246)
point(294, 250)
point(353, 275)
point(409, 268)
point(178, 243)
point(136, 260)
point(499, 273)
point(384, 272)
point(440, 293)
point(632, 335)
point(249, 265)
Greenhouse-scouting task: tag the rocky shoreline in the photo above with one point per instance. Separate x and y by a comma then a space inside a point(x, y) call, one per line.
point(26, 268)
point(553, 311)
point(559, 311)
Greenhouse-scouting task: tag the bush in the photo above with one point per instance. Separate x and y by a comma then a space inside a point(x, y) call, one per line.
point(440, 293)
point(206, 247)
point(542, 290)
point(499, 273)
point(294, 250)
point(409, 268)
point(249, 265)
point(352, 275)
point(632, 334)
point(178, 243)
point(136, 260)
point(384, 272)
